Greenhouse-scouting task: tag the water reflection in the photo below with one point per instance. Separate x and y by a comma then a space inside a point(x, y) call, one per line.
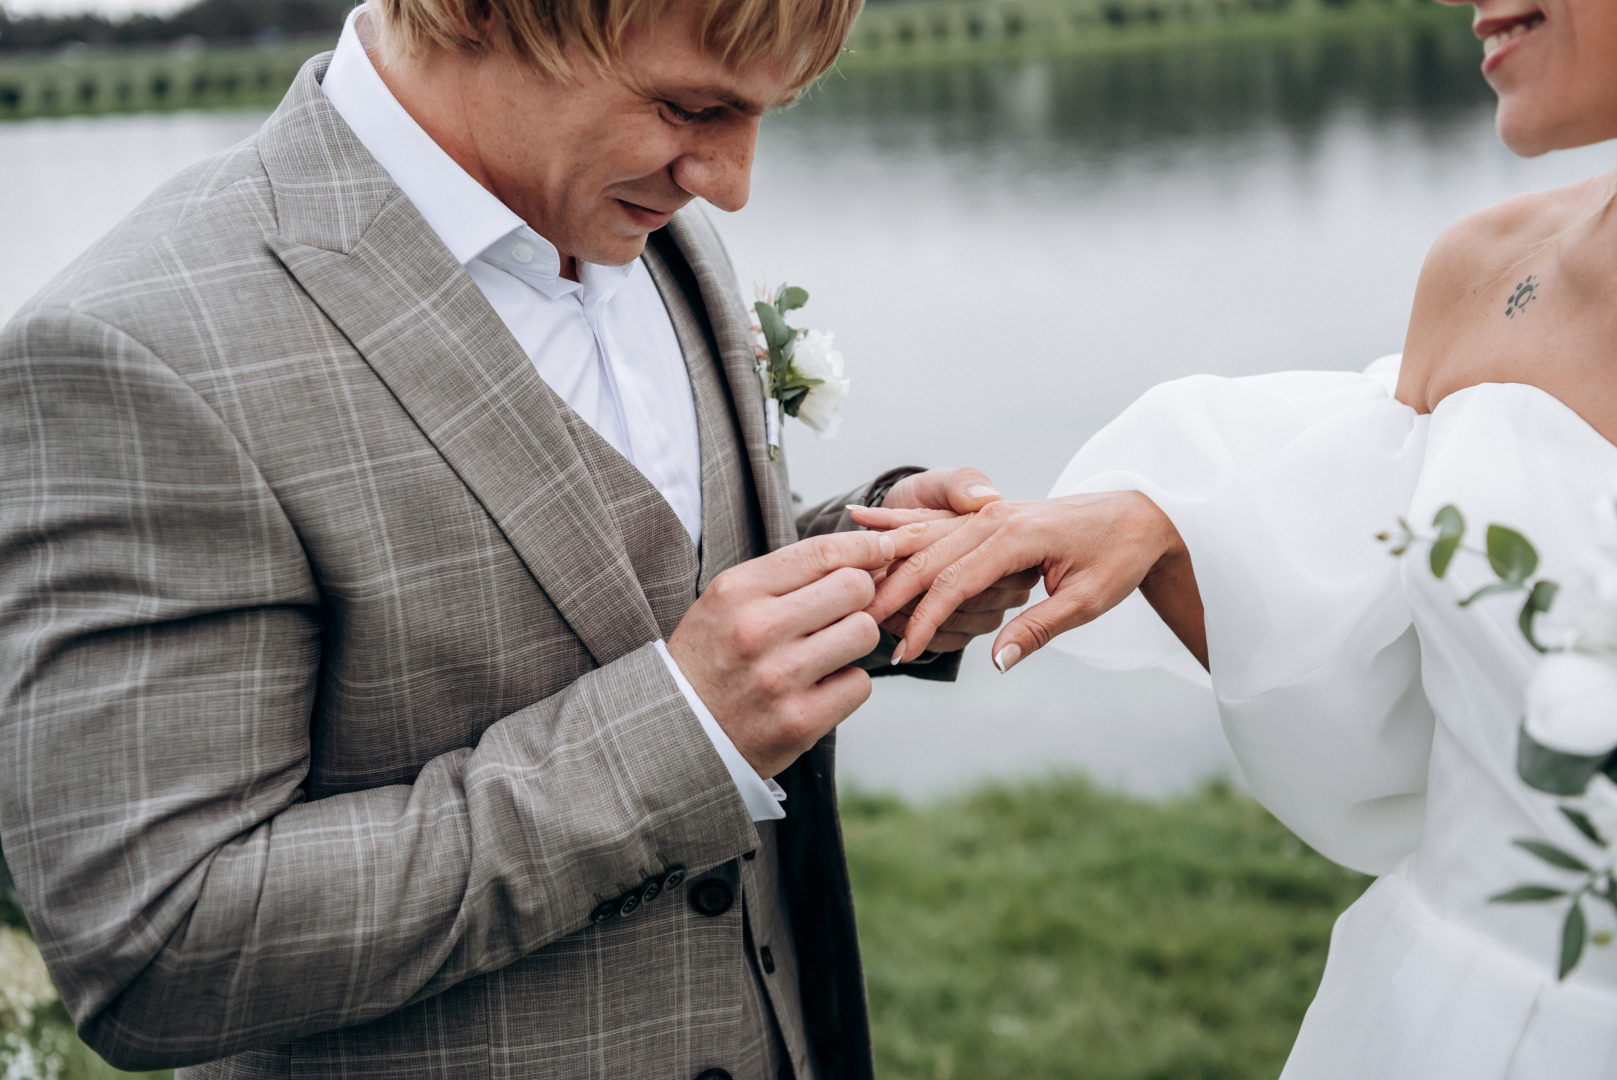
point(1086, 111)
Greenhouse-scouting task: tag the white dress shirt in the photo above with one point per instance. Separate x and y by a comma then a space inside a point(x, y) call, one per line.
point(603, 343)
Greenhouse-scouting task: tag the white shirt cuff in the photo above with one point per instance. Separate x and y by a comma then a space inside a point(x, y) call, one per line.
point(763, 797)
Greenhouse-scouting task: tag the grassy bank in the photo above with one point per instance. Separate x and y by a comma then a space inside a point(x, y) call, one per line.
point(1054, 930)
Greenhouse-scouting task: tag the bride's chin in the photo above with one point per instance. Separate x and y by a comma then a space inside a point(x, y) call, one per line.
point(1524, 129)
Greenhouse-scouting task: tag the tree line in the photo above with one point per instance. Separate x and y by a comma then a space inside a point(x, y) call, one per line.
point(213, 21)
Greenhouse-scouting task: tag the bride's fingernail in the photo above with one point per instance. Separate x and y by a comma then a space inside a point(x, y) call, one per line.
point(856, 506)
point(898, 654)
point(982, 491)
point(1008, 657)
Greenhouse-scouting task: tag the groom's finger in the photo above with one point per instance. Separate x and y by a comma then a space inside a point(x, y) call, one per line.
point(965, 491)
point(821, 603)
point(829, 650)
point(796, 565)
point(960, 628)
point(883, 518)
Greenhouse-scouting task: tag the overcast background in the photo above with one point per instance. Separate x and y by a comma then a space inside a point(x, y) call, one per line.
point(103, 7)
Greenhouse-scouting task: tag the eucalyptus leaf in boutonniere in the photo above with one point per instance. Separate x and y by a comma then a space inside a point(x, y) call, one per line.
point(801, 370)
point(1567, 745)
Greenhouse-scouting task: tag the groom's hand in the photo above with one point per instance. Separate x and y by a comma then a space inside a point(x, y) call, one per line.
point(958, 491)
point(767, 646)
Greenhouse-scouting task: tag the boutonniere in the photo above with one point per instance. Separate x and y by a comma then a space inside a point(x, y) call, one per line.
point(1567, 745)
point(801, 370)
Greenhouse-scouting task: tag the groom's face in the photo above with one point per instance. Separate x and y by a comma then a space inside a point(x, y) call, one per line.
point(598, 163)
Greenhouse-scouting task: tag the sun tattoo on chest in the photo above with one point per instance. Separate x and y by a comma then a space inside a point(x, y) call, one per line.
point(1525, 293)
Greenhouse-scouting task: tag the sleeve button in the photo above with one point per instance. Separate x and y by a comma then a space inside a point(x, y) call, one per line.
point(604, 912)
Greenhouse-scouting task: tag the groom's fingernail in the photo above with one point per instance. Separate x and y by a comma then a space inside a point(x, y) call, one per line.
point(1008, 658)
point(888, 551)
point(982, 491)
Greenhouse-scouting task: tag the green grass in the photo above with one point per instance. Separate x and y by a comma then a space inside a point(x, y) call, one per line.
point(1057, 930)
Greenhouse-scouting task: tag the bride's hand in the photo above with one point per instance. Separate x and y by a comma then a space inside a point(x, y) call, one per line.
point(1092, 551)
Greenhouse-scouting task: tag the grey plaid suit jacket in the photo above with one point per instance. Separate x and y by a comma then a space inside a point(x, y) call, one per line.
point(328, 706)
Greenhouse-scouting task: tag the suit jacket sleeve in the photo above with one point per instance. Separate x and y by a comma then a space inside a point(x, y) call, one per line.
point(161, 634)
point(832, 516)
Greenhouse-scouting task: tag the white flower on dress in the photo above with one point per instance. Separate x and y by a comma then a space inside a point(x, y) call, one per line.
point(816, 357)
point(1589, 610)
point(1572, 704)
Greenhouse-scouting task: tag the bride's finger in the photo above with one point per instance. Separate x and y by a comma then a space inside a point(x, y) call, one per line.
point(925, 549)
point(1078, 599)
point(976, 571)
point(879, 517)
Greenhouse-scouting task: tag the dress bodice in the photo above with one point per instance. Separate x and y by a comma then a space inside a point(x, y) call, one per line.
point(1370, 712)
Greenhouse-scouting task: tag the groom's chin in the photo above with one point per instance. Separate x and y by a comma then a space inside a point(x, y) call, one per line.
point(617, 248)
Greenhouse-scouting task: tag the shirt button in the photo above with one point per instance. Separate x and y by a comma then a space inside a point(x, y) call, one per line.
point(522, 253)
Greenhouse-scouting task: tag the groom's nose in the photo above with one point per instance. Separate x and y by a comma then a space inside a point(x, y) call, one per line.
point(717, 164)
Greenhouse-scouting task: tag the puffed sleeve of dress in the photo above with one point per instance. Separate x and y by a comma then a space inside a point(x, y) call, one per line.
point(1279, 485)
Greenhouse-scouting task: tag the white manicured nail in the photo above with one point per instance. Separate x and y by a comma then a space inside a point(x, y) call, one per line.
point(856, 506)
point(1008, 658)
point(898, 654)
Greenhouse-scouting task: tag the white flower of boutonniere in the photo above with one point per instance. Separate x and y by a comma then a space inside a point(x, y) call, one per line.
point(801, 370)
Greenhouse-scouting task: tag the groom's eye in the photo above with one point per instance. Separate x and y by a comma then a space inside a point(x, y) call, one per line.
point(687, 116)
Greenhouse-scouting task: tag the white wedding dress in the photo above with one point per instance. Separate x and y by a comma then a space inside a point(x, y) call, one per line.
point(1370, 713)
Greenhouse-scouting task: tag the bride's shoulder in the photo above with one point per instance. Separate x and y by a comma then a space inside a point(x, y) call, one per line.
point(1497, 238)
point(1464, 279)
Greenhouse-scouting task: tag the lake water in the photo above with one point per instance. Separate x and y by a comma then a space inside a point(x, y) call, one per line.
point(1009, 254)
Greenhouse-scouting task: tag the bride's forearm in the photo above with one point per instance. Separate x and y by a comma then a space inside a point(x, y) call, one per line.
point(1170, 587)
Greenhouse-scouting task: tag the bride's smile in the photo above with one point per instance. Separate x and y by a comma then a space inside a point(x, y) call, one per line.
point(1550, 64)
point(1501, 37)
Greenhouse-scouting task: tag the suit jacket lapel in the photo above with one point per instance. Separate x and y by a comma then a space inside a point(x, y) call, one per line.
point(364, 254)
point(732, 525)
point(702, 251)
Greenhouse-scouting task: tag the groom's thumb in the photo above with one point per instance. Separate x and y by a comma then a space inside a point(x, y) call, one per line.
point(961, 491)
point(969, 490)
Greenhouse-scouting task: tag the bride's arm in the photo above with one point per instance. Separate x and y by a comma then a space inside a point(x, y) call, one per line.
point(1093, 550)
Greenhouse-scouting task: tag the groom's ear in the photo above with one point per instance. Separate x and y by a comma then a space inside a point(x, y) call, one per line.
point(960, 491)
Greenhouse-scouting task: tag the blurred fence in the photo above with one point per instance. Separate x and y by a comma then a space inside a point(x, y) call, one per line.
point(896, 30)
point(81, 80)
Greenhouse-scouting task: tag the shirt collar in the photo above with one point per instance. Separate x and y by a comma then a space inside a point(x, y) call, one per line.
point(466, 216)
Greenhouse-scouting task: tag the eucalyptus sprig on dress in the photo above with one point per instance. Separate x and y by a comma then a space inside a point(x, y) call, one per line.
point(801, 370)
point(1567, 745)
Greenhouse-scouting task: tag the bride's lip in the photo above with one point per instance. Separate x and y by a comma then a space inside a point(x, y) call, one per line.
point(1503, 36)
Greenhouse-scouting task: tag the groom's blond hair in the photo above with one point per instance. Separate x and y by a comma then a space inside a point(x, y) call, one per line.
point(807, 34)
